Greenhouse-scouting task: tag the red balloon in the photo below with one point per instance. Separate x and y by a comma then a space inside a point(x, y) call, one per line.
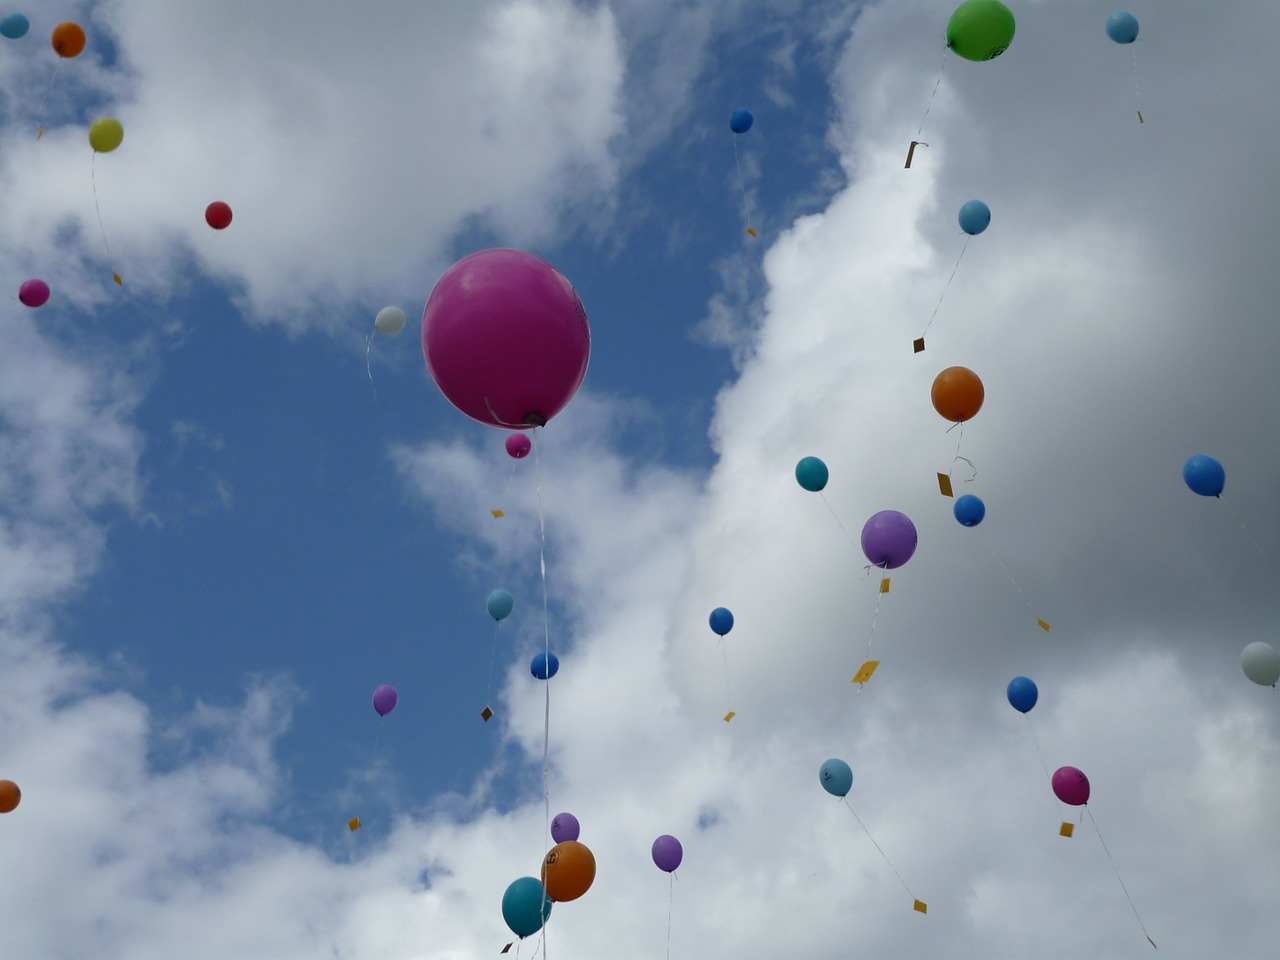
point(217, 215)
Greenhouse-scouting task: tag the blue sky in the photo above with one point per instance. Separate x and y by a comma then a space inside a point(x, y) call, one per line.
point(219, 535)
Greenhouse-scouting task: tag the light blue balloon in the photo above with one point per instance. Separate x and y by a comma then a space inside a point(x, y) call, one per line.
point(1022, 694)
point(1122, 27)
point(974, 217)
point(544, 666)
point(969, 510)
point(15, 25)
point(721, 620)
point(1205, 476)
point(740, 120)
point(812, 474)
point(500, 604)
point(836, 777)
point(525, 906)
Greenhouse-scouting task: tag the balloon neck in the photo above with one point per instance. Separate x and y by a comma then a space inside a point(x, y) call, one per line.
point(535, 420)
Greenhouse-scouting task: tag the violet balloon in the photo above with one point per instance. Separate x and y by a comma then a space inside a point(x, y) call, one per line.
point(564, 827)
point(1071, 786)
point(385, 699)
point(518, 446)
point(34, 293)
point(506, 338)
point(667, 853)
point(889, 539)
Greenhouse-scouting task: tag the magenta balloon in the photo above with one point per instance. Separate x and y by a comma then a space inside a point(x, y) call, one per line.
point(518, 445)
point(1071, 786)
point(889, 539)
point(506, 338)
point(564, 827)
point(667, 853)
point(385, 699)
point(34, 293)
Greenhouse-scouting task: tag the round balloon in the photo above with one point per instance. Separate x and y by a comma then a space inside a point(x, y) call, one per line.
point(390, 320)
point(525, 906)
point(836, 777)
point(969, 510)
point(1204, 475)
point(1071, 786)
point(500, 604)
point(106, 134)
point(1261, 663)
point(10, 796)
point(1122, 27)
point(812, 474)
point(565, 826)
point(1022, 694)
point(889, 539)
point(506, 338)
point(68, 40)
point(385, 699)
point(218, 215)
point(518, 446)
point(980, 29)
point(667, 853)
point(721, 620)
point(568, 870)
point(34, 293)
point(544, 666)
point(740, 120)
point(957, 394)
point(975, 216)
point(14, 25)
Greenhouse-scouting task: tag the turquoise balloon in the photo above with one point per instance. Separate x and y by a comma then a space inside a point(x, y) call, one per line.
point(1122, 27)
point(812, 474)
point(500, 604)
point(525, 906)
point(836, 777)
point(15, 25)
point(974, 217)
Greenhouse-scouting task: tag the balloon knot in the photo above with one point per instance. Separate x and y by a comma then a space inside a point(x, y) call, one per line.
point(535, 420)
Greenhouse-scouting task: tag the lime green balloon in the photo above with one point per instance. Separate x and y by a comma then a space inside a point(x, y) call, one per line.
point(980, 29)
point(106, 134)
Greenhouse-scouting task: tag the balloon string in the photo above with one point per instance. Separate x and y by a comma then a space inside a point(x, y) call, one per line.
point(377, 733)
point(671, 898)
point(1012, 579)
point(938, 306)
point(1118, 877)
point(942, 66)
point(493, 656)
point(40, 111)
point(839, 524)
point(1137, 101)
point(877, 846)
point(742, 184)
point(1044, 766)
point(546, 648)
point(93, 179)
point(724, 649)
point(1240, 523)
point(884, 574)
point(368, 345)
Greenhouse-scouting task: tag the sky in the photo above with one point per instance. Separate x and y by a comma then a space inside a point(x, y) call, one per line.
point(229, 510)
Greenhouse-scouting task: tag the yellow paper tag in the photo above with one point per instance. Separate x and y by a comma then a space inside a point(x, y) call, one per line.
point(752, 231)
point(486, 713)
point(506, 949)
point(884, 585)
point(40, 134)
point(1067, 829)
point(865, 671)
point(116, 278)
point(497, 514)
point(1042, 625)
point(354, 824)
point(944, 485)
point(729, 716)
point(917, 346)
point(921, 907)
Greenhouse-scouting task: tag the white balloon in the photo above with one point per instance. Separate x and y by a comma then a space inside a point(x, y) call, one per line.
point(390, 320)
point(1261, 663)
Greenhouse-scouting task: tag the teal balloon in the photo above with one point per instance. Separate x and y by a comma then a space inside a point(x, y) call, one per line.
point(812, 474)
point(1204, 475)
point(15, 25)
point(1122, 27)
point(975, 216)
point(500, 604)
point(525, 906)
point(836, 777)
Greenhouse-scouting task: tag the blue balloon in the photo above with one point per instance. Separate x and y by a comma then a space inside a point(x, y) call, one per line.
point(974, 217)
point(969, 510)
point(836, 777)
point(721, 620)
point(544, 666)
point(1022, 694)
point(525, 906)
point(812, 474)
point(499, 604)
point(1122, 27)
point(740, 120)
point(1205, 476)
point(15, 25)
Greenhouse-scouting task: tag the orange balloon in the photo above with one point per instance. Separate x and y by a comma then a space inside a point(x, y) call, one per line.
point(568, 870)
point(10, 796)
point(68, 39)
point(957, 394)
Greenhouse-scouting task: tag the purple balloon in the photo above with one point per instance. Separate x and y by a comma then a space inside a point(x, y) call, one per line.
point(1071, 786)
point(565, 827)
point(667, 853)
point(506, 338)
point(518, 446)
point(34, 293)
point(385, 699)
point(889, 539)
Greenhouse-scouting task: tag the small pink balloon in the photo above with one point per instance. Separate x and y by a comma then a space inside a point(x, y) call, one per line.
point(34, 293)
point(518, 446)
point(1071, 786)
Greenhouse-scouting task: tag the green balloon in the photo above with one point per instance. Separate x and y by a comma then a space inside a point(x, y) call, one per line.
point(980, 29)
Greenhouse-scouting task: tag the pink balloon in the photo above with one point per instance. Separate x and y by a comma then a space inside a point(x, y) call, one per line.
point(1071, 786)
point(34, 293)
point(506, 338)
point(518, 446)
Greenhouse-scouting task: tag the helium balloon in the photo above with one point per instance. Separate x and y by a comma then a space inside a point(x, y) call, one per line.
point(525, 906)
point(957, 394)
point(218, 215)
point(106, 134)
point(721, 620)
point(980, 30)
point(836, 777)
point(568, 870)
point(564, 827)
point(385, 699)
point(1022, 694)
point(740, 120)
point(34, 293)
point(10, 796)
point(1071, 786)
point(1122, 27)
point(544, 666)
point(1204, 475)
point(1261, 663)
point(812, 474)
point(969, 510)
point(974, 217)
point(14, 25)
point(889, 539)
point(500, 604)
point(667, 853)
point(518, 446)
point(506, 339)
point(390, 320)
point(68, 40)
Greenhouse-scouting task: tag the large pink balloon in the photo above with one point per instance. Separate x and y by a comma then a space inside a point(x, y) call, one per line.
point(1071, 786)
point(506, 338)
